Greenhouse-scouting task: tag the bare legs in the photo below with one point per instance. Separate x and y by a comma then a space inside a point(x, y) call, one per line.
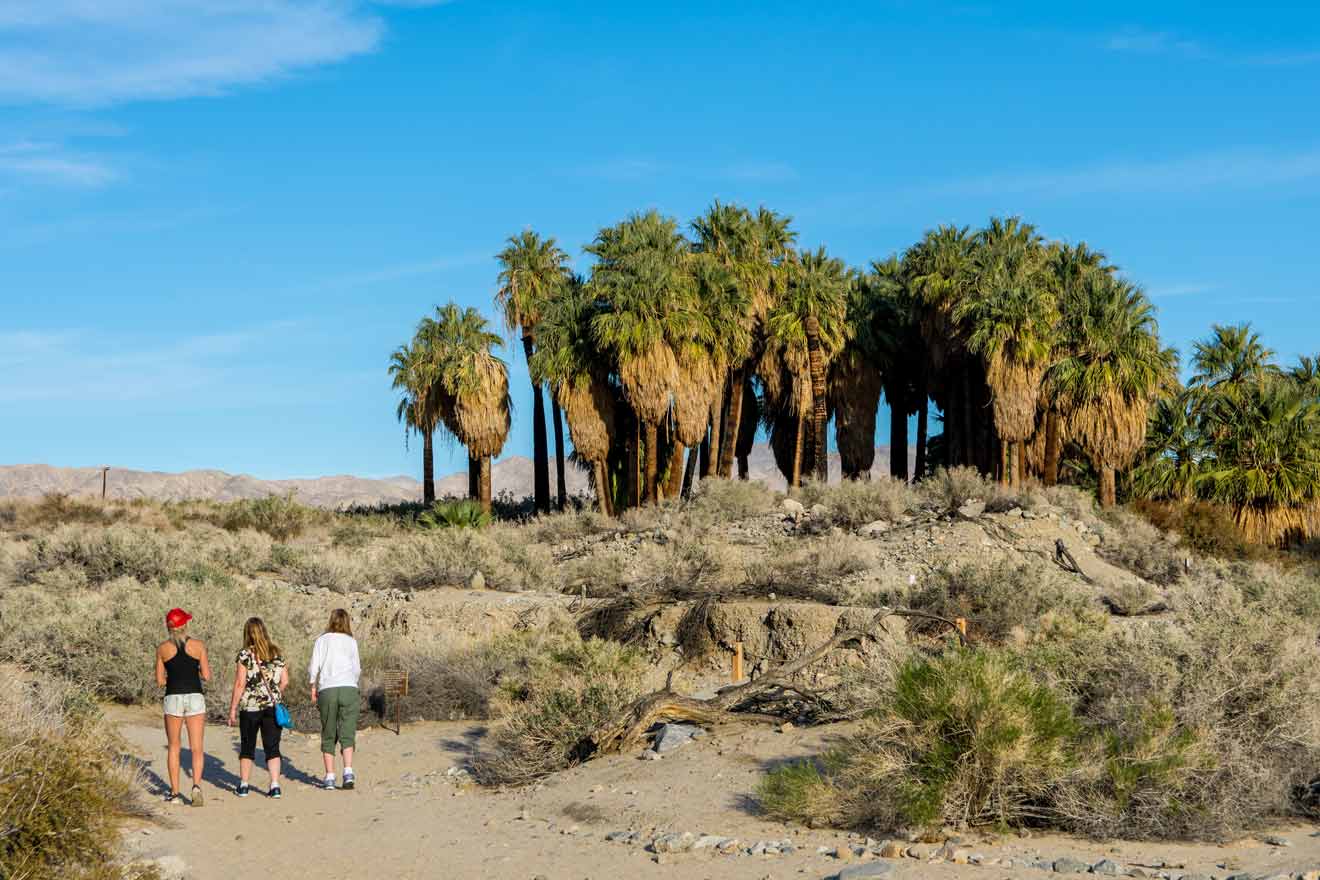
point(173, 727)
point(272, 766)
point(329, 758)
point(196, 732)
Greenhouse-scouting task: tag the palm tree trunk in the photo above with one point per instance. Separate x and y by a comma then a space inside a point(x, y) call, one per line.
point(820, 414)
point(674, 485)
point(484, 482)
point(968, 455)
point(732, 424)
point(710, 446)
point(651, 437)
point(540, 454)
point(1020, 471)
point(603, 488)
point(1052, 448)
point(795, 473)
point(1003, 474)
point(1108, 486)
point(557, 417)
point(898, 442)
point(474, 477)
point(428, 468)
point(690, 473)
point(633, 463)
point(921, 437)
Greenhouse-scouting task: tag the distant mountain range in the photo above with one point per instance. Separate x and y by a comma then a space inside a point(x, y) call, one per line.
point(512, 474)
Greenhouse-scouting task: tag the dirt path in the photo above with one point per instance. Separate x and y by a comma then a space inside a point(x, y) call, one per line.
point(409, 818)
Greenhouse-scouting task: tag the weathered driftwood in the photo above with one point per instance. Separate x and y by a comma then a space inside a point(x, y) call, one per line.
point(664, 705)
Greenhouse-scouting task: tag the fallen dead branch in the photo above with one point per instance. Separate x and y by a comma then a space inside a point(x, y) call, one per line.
point(727, 706)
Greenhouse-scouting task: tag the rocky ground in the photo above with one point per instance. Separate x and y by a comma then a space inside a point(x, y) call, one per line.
point(686, 814)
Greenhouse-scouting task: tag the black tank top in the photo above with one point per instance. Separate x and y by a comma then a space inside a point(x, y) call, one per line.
point(183, 672)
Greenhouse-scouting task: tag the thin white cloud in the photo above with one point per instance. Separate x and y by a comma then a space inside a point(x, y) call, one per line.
point(96, 52)
point(53, 163)
point(1190, 173)
point(1138, 41)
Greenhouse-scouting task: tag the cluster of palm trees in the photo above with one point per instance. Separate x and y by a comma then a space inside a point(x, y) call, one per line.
point(1245, 433)
point(666, 358)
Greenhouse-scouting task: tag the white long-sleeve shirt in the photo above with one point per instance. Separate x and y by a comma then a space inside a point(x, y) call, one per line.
point(334, 662)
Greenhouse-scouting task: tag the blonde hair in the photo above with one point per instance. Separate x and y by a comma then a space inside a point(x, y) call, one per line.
point(256, 640)
point(340, 623)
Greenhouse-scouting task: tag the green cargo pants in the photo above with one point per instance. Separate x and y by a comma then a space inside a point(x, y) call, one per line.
point(339, 716)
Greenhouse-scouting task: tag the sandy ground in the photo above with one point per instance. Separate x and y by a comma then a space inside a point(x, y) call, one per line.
point(408, 819)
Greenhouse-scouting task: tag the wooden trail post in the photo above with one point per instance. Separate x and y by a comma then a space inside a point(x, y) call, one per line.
point(104, 471)
point(961, 623)
point(396, 686)
point(737, 662)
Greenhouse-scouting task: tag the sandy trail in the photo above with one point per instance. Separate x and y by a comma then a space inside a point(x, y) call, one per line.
point(407, 819)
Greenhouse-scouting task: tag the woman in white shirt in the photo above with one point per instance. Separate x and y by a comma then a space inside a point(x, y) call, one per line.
point(333, 673)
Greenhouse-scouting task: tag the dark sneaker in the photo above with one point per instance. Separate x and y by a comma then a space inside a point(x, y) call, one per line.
point(349, 779)
point(174, 798)
point(197, 798)
point(243, 789)
point(275, 792)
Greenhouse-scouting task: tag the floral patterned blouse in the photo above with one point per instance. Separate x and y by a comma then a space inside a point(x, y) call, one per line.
point(262, 688)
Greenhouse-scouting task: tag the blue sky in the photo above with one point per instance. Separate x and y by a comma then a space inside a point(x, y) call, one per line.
point(218, 217)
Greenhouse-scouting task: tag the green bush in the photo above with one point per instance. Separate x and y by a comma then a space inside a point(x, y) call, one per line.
point(998, 601)
point(278, 516)
point(454, 514)
point(1207, 529)
point(64, 793)
point(554, 699)
point(101, 555)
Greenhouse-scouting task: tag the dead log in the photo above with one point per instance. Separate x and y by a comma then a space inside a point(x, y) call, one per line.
point(664, 705)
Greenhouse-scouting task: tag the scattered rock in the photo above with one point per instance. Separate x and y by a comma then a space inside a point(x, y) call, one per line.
point(1109, 868)
point(477, 581)
point(870, 869)
point(792, 508)
point(1015, 512)
point(671, 736)
point(709, 841)
point(673, 843)
point(1275, 840)
point(952, 853)
point(972, 509)
point(843, 853)
point(923, 851)
point(622, 836)
point(873, 529)
point(1069, 865)
point(891, 849)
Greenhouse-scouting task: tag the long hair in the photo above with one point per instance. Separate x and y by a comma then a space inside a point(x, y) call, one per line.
point(256, 640)
point(339, 622)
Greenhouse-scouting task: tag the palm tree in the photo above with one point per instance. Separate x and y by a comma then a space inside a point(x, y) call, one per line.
point(855, 378)
point(569, 360)
point(811, 315)
point(1173, 459)
point(466, 372)
point(643, 275)
point(1011, 315)
point(1072, 266)
point(753, 249)
point(532, 273)
point(1114, 372)
point(409, 370)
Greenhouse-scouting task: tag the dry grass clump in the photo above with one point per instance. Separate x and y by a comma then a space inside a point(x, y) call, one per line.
point(854, 503)
point(278, 516)
point(814, 569)
point(718, 501)
point(97, 555)
point(554, 699)
point(63, 790)
point(1205, 528)
point(1000, 602)
point(1134, 544)
point(951, 488)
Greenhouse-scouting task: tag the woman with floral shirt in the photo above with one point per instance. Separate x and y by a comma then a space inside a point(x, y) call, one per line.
point(260, 677)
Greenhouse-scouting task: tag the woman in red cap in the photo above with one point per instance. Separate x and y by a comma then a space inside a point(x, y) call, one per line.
point(181, 667)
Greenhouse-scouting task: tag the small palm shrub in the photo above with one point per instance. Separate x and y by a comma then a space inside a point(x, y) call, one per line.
point(454, 514)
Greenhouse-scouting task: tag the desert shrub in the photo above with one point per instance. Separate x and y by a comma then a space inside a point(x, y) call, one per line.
point(278, 516)
point(998, 600)
point(462, 513)
point(798, 791)
point(855, 503)
point(57, 509)
point(449, 557)
point(101, 554)
point(1132, 543)
point(809, 569)
point(720, 500)
point(1206, 528)
point(951, 488)
point(966, 737)
point(552, 701)
point(568, 525)
point(63, 792)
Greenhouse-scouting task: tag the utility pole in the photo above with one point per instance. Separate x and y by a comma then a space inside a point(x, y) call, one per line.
point(104, 471)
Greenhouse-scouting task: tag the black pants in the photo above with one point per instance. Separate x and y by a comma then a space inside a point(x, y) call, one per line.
point(248, 724)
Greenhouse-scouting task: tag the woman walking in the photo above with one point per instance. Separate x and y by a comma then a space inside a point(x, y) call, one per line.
point(181, 667)
point(260, 678)
point(333, 674)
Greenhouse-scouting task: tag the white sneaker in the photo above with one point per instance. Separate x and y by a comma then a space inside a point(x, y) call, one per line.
point(328, 783)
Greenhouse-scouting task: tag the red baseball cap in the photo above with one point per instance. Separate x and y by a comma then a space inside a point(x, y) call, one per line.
point(177, 617)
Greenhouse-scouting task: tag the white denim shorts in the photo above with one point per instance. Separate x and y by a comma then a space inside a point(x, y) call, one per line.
point(185, 705)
